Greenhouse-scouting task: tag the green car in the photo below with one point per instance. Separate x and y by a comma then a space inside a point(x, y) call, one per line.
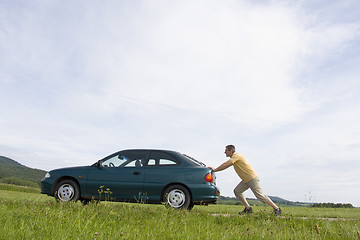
point(141, 175)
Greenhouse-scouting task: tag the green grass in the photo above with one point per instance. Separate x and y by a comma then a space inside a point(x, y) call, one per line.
point(11, 187)
point(26, 215)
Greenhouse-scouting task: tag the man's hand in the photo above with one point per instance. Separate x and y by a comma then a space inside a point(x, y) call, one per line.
point(212, 168)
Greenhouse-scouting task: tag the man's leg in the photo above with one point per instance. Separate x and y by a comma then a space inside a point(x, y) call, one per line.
point(254, 185)
point(238, 191)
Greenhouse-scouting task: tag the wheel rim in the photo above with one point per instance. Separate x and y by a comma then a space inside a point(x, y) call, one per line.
point(176, 198)
point(66, 192)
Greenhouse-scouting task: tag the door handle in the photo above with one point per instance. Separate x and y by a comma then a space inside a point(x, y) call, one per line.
point(136, 173)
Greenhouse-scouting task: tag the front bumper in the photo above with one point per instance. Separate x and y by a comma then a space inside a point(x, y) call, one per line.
point(46, 186)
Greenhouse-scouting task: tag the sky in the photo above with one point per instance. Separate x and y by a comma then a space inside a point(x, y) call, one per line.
point(80, 80)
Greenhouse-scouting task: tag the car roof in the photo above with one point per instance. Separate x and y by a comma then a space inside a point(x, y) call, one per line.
point(184, 157)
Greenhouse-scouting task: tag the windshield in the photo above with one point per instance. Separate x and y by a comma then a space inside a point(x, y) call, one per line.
point(194, 161)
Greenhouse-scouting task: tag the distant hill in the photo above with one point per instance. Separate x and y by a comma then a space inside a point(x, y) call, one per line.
point(8, 161)
point(283, 201)
point(12, 172)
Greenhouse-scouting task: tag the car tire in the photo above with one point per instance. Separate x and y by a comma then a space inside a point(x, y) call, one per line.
point(67, 190)
point(177, 197)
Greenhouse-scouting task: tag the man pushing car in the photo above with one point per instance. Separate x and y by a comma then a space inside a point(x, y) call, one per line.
point(249, 177)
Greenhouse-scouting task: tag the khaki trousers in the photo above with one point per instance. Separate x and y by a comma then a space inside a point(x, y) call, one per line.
point(254, 185)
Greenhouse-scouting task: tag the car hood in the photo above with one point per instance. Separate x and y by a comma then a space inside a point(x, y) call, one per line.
point(70, 171)
point(71, 168)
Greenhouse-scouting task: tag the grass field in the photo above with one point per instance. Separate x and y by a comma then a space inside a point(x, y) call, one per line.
point(26, 214)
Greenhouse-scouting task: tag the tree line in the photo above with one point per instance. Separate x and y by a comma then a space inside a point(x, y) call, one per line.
point(332, 205)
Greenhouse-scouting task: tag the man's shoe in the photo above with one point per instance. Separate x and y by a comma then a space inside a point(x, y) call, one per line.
point(277, 211)
point(246, 211)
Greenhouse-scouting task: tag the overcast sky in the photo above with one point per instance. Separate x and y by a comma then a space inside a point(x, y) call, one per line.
point(80, 80)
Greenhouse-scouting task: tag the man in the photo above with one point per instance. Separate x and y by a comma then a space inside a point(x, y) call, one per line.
point(249, 177)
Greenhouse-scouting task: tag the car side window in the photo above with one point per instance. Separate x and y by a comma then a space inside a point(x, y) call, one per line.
point(126, 159)
point(161, 159)
point(114, 161)
point(133, 163)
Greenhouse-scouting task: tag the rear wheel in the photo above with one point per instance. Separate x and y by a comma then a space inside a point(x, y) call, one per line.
point(67, 190)
point(178, 197)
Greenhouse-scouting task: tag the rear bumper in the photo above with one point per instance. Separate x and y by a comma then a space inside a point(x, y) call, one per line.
point(204, 193)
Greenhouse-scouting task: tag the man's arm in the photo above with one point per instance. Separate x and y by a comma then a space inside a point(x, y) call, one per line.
point(223, 166)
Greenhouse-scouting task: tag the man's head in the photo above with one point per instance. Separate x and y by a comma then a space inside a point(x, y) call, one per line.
point(229, 150)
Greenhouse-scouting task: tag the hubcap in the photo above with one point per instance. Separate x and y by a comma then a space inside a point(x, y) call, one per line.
point(65, 192)
point(176, 198)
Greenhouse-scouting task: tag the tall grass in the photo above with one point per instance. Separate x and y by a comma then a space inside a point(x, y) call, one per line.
point(34, 216)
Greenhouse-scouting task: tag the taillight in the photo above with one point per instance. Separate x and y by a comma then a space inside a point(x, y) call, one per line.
point(209, 177)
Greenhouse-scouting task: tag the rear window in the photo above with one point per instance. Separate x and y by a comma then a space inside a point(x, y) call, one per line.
point(197, 162)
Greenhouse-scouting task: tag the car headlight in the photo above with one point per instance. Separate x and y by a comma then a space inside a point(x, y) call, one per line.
point(47, 175)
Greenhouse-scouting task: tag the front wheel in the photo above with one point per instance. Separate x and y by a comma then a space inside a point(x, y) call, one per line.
point(67, 190)
point(177, 197)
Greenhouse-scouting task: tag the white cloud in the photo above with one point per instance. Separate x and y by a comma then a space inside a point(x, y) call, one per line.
point(182, 62)
point(276, 79)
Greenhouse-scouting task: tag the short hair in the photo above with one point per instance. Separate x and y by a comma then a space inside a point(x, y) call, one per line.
point(230, 148)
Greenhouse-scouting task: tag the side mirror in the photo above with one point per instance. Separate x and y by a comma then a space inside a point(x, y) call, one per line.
point(98, 164)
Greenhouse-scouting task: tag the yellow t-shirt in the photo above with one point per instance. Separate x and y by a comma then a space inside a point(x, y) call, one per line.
point(243, 167)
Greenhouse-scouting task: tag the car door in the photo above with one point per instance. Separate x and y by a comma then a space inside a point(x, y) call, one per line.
point(118, 177)
point(161, 169)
